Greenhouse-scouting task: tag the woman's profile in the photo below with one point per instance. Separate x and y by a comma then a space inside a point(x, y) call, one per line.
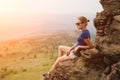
point(83, 42)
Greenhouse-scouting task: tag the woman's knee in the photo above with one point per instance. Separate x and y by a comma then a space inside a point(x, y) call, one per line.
point(60, 48)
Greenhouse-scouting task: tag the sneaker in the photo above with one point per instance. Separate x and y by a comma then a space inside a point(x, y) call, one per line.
point(46, 75)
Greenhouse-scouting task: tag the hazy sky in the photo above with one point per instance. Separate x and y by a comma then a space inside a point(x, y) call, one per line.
point(49, 6)
point(19, 16)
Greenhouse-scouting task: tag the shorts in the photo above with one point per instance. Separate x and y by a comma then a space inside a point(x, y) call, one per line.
point(75, 54)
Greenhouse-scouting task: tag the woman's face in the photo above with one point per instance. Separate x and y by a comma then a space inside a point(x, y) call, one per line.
point(80, 25)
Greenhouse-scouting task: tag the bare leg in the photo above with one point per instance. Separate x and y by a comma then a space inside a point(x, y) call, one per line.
point(60, 59)
point(62, 50)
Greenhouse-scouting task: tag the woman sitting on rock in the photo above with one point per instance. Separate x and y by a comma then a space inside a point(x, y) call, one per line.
point(83, 42)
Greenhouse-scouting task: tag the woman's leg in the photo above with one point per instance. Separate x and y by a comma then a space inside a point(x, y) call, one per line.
point(62, 49)
point(60, 59)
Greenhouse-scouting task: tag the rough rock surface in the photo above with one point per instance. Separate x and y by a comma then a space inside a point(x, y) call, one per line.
point(103, 61)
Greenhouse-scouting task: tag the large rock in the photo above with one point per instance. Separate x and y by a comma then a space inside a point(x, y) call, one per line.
point(107, 24)
point(103, 61)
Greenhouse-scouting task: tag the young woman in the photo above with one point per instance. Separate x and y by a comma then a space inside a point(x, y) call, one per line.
point(83, 42)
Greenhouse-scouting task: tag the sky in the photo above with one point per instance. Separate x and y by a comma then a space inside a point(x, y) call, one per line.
point(49, 6)
point(18, 17)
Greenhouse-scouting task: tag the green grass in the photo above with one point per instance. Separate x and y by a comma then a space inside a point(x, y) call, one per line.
point(30, 69)
point(28, 59)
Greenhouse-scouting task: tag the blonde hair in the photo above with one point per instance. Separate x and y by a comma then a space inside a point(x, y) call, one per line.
point(83, 19)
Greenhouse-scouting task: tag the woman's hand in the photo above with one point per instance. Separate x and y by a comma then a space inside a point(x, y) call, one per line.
point(68, 52)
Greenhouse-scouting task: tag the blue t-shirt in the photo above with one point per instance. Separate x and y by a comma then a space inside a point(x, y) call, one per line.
point(85, 34)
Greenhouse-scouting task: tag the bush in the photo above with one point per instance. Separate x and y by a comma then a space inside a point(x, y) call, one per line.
point(24, 70)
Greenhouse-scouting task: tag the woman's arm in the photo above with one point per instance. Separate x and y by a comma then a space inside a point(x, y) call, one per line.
point(88, 42)
point(88, 46)
point(73, 47)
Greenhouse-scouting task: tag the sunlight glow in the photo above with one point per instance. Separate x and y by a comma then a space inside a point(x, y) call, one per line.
point(19, 16)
